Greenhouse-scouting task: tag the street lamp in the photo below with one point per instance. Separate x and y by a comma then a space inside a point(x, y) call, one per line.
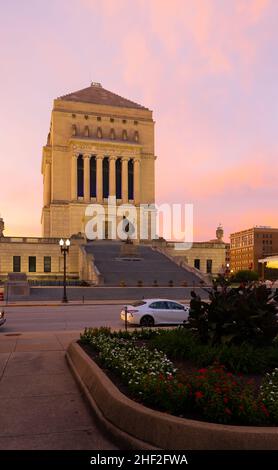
point(64, 245)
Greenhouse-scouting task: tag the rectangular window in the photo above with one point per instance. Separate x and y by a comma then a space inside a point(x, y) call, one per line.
point(16, 264)
point(197, 263)
point(209, 265)
point(32, 264)
point(47, 264)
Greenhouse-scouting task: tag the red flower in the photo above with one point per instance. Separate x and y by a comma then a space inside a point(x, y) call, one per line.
point(264, 409)
point(202, 371)
point(228, 411)
point(225, 399)
point(198, 395)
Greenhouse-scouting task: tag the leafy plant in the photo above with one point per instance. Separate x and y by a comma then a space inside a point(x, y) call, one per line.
point(235, 315)
point(182, 344)
point(224, 397)
point(245, 275)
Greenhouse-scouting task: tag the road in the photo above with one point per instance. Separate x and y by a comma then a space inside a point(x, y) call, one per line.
point(60, 318)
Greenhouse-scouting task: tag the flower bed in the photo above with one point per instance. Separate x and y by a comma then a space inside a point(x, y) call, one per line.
point(210, 393)
point(183, 344)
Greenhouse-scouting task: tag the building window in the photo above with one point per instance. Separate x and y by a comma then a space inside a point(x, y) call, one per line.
point(197, 263)
point(16, 264)
point(118, 178)
point(93, 177)
point(105, 177)
point(209, 266)
point(80, 176)
point(124, 135)
point(47, 264)
point(32, 264)
point(73, 130)
point(130, 180)
point(99, 118)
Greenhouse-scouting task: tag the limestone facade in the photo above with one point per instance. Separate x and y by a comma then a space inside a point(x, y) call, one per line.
point(39, 258)
point(99, 146)
point(211, 257)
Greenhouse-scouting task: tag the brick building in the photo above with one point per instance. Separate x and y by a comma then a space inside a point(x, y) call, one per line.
point(248, 246)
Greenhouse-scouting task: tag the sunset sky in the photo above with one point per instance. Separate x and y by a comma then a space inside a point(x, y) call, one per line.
point(207, 68)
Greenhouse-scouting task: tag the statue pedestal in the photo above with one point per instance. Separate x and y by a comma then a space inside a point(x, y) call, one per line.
point(128, 250)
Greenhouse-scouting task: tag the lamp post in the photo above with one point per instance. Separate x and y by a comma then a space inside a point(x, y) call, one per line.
point(64, 245)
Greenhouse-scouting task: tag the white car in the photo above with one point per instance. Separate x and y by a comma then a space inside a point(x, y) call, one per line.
point(150, 312)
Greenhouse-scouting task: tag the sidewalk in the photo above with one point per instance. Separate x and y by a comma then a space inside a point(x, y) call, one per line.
point(41, 405)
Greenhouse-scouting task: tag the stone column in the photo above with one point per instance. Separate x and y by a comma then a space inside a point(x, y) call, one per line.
point(74, 177)
point(99, 159)
point(125, 179)
point(86, 159)
point(47, 184)
point(112, 175)
point(137, 180)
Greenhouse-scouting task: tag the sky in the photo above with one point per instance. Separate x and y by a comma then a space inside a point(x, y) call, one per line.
point(207, 68)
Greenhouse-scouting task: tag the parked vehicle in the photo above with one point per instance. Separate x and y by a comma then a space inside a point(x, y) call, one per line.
point(2, 318)
point(150, 312)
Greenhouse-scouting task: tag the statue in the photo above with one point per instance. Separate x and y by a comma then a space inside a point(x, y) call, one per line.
point(219, 233)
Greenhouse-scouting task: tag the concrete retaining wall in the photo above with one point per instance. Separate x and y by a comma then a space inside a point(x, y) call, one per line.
point(154, 429)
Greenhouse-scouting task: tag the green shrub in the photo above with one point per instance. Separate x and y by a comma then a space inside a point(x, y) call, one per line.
point(182, 344)
point(245, 275)
point(89, 333)
point(235, 315)
point(223, 397)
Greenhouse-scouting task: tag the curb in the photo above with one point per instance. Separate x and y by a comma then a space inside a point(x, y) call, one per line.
point(72, 304)
point(144, 428)
point(125, 441)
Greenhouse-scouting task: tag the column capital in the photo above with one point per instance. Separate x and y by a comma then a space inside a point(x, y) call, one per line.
point(99, 157)
point(86, 155)
point(112, 157)
point(137, 160)
point(76, 155)
point(125, 159)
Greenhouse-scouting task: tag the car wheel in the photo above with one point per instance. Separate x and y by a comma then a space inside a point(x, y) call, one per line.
point(147, 320)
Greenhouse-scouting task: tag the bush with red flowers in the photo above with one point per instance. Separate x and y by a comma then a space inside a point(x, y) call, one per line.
point(223, 397)
point(210, 393)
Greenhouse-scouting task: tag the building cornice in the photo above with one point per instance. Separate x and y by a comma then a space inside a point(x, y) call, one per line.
point(104, 146)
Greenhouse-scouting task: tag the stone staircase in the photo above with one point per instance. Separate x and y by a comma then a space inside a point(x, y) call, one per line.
point(146, 266)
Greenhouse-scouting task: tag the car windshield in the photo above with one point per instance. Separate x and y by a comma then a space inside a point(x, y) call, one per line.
point(138, 303)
